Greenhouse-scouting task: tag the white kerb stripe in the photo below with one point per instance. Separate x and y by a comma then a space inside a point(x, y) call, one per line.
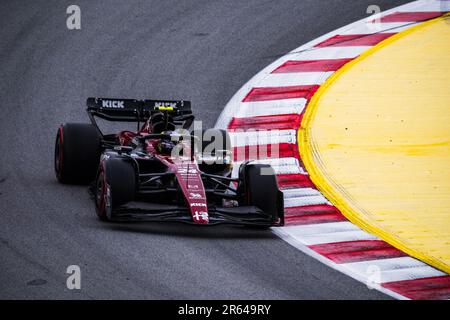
point(321, 228)
point(279, 165)
point(293, 79)
point(329, 53)
point(275, 162)
point(305, 201)
point(270, 108)
point(300, 192)
point(395, 269)
point(387, 264)
point(372, 28)
point(344, 236)
point(299, 197)
point(251, 138)
point(426, 6)
point(410, 274)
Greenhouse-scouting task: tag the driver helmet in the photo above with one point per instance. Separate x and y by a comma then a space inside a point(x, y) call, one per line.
point(165, 145)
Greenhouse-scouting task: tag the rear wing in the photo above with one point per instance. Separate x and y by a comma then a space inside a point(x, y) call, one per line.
point(132, 110)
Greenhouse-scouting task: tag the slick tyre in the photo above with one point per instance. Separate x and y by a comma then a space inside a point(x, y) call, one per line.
point(115, 185)
point(262, 189)
point(77, 153)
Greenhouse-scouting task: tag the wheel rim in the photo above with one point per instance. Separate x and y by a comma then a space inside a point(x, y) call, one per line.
point(103, 197)
point(100, 195)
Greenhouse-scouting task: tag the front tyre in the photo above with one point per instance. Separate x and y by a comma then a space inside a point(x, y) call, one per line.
point(77, 153)
point(115, 185)
point(261, 190)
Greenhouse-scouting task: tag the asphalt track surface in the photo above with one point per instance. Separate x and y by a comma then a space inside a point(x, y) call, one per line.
point(199, 50)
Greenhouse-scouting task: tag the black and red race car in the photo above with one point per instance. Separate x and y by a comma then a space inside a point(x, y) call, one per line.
point(162, 171)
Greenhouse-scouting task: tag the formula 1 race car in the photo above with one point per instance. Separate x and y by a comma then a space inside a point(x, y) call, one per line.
point(162, 171)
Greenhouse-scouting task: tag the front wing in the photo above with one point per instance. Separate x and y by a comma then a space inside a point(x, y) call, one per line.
point(240, 215)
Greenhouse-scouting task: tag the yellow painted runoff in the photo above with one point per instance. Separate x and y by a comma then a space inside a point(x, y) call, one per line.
point(376, 141)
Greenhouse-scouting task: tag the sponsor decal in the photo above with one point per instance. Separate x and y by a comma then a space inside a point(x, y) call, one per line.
point(197, 204)
point(201, 214)
point(113, 104)
point(187, 171)
point(165, 104)
point(193, 195)
point(190, 177)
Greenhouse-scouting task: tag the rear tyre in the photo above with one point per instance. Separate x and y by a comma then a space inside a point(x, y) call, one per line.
point(262, 190)
point(115, 186)
point(77, 153)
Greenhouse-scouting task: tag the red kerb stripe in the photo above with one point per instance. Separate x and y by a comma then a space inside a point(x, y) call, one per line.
point(355, 40)
point(410, 16)
point(280, 93)
point(436, 288)
point(294, 180)
point(314, 219)
point(311, 65)
point(312, 209)
point(354, 251)
point(255, 152)
point(312, 214)
point(279, 122)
